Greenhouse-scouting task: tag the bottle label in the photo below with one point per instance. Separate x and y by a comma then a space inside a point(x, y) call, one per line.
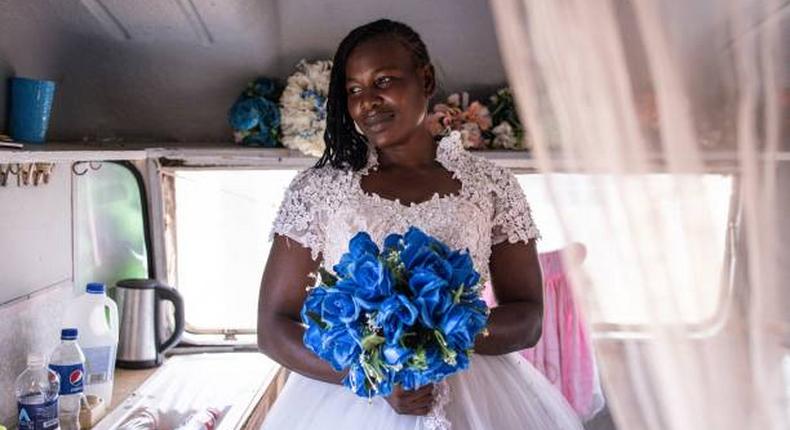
point(39, 416)
point(98, 364)
point(71, 377)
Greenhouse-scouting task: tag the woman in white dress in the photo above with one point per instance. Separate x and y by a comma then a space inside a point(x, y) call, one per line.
point(381, 173)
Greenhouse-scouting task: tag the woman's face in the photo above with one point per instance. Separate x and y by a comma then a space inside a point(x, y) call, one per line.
point(387, 94)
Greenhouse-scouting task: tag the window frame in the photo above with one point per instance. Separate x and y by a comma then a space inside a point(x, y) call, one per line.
point(163, 219)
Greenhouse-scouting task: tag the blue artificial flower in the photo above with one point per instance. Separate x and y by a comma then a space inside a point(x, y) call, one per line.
point(432, 296)
point(360, 245)
point(313, 338)
point(341, 346)
point(393, 242)
point(395, 315)
point(356, 380)
point(370, 281)
point(244, 114)
point(395, 353)
point(339, 307)
point(263, 87)
point(460, 325)
point(463, 271)
point(313, 304)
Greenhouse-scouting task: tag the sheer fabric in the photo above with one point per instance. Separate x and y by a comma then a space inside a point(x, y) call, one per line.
point(626, 90)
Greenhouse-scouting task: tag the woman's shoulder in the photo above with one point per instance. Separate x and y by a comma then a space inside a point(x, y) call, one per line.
point(321, 183)
point(470, 166)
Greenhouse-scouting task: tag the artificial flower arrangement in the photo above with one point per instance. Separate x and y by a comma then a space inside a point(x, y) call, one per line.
point(407, 314)
point(495, 126)
point(303, 107)
point(255, 116)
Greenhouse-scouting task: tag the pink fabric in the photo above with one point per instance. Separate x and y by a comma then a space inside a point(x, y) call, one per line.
point(563, 354)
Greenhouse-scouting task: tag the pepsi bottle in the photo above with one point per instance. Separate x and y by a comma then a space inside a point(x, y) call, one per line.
point(68, 362)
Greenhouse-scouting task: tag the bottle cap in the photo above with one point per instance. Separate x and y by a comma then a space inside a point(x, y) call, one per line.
point(95, 288)
point(36, 359)
point(68, 334)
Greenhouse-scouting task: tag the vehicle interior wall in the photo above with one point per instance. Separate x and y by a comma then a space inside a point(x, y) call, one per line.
point(167, 71)
point(35, 274)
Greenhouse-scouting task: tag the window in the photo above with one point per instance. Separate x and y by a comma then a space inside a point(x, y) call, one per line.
point(109, 228)
point(599, 228)
point(222, 227)
point(223, 219)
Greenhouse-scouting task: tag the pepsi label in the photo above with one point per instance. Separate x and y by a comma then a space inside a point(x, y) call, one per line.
point(38, 416)
point(71, 377)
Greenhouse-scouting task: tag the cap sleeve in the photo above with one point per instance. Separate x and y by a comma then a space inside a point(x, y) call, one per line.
point(512, 220)
point(300, 213)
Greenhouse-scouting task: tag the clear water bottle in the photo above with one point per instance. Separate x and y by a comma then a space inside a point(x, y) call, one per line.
point(68, 362)
point(36, 392)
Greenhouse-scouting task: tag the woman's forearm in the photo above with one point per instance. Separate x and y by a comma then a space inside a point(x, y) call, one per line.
point(511, 327)
point(280, 338)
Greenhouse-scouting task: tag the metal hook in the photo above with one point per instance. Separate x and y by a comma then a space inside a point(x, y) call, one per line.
point(74, 169)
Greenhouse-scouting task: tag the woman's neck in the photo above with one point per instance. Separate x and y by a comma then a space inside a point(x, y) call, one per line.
point(416, 152)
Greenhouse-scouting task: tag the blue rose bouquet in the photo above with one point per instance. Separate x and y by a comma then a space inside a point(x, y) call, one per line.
point(255, 116)
point(406, 314)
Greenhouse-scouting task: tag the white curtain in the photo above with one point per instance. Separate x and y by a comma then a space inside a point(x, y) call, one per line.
point(661, 128)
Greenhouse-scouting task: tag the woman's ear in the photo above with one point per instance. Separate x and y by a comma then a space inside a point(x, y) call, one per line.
point(429, 80)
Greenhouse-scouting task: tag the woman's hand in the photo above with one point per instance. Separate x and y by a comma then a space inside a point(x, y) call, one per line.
point(417, 402)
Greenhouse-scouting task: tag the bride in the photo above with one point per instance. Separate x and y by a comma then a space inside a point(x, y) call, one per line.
point(382, 172)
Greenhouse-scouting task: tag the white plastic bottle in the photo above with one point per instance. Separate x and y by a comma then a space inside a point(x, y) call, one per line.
point(96, 317)
point(36, 392)
point(68, 362)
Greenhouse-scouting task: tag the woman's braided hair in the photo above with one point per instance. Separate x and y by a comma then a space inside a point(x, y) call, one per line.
point(345, 147)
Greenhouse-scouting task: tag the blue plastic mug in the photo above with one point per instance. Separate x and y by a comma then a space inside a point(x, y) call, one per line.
point(31, 104)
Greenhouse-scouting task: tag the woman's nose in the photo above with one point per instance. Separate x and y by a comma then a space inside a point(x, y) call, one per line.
point(371, 99)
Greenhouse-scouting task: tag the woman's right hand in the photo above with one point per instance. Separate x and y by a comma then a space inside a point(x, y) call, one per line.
point(417, 402)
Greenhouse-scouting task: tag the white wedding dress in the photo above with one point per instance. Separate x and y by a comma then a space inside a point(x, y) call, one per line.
point(325, 207)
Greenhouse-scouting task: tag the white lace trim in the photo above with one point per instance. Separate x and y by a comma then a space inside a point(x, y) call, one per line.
point(437, 418)
point(324, 207)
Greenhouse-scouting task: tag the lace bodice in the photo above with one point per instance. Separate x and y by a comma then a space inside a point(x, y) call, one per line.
point(325, 207)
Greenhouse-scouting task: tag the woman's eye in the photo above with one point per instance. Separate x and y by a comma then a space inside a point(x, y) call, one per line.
point(383, 81)
point(353, 90)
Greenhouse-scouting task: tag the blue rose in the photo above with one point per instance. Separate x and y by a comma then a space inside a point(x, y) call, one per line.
point(263, 87)
point(370, 281)
point(393, 242)
point(341, 346)
point(313, 338)
point(414, 243)
point(339, 307)
point(395, 314)
point(360, 245)
point(463, 271)
point(460, 325)
point(312, 304)
point(244, 114)
point(269, 113)
point(395, 353)
point(432, 296)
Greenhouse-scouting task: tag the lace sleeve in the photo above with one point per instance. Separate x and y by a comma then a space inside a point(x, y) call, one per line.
point(512, 216)
point(299, 216)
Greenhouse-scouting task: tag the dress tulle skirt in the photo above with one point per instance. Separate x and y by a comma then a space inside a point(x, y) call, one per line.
point(495, 393)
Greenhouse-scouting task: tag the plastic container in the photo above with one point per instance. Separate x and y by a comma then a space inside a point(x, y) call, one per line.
point(68, 362)
point(205, 419)
point(96, 317)
point(141, 419)
point(31, 105)
point(36, 392)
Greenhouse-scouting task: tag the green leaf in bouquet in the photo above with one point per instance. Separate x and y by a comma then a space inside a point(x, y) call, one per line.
point(327, 278)
point(372, 341)
point(418, 360)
